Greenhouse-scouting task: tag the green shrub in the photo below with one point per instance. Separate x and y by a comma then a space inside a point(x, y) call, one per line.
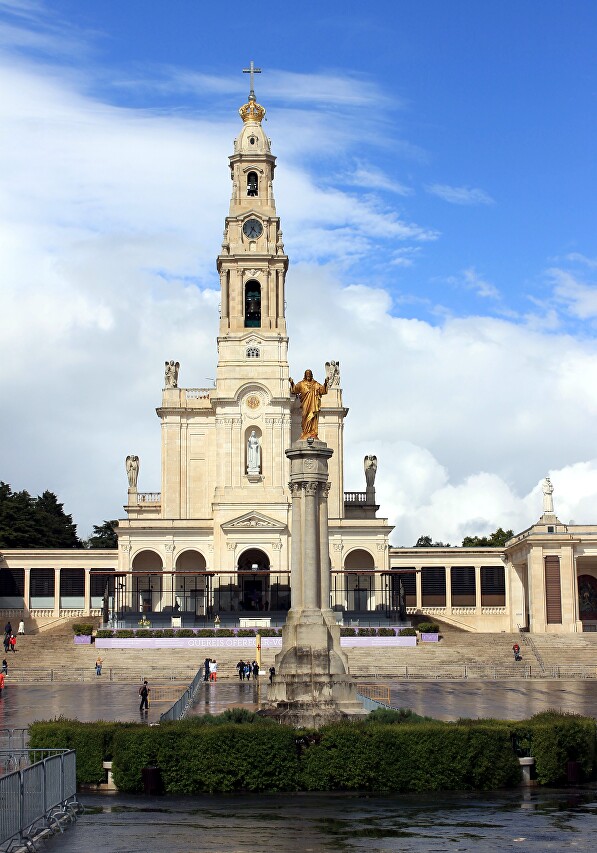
point(394, 716)
point(82, 630)
point(367, 632)
point(124, 632)
point(269, 632)
point(225, 632)
point(407, 632)
point(185, 632)
point(348, 632)
point(168, 632)
point(157, 633)
point(105, 632)
point(428, 627)
point(557, 738)
point(206, 632)
point(386, 632)
point(246, 632)
point(144, 632)
point(92, 741)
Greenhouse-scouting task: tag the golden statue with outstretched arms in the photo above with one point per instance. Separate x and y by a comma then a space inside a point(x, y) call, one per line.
point(310, 392)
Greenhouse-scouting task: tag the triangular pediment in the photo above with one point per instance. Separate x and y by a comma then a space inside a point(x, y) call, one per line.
point(253, 520)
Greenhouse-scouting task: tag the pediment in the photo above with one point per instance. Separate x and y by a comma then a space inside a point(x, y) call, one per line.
point(253, 521)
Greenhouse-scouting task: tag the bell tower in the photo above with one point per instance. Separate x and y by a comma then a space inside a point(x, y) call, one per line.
point(252, 264)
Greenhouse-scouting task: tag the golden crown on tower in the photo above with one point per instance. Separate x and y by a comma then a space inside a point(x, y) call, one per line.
point(251, 111)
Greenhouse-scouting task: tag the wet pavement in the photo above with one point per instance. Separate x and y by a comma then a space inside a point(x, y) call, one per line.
point(21, 704)
point(527, 822)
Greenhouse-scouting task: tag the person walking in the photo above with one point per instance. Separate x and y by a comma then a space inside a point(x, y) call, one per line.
point(8, 629)
point(13, 643)
point(213, 670)
point(98, 666)
point(1, 682)
point(272, 673)
point(144, 694)
point(248, 671)
point(241, 669)
point(206, 664)
point(255, 670)
point(6, 642)
point(5, 667)
point(21, 628)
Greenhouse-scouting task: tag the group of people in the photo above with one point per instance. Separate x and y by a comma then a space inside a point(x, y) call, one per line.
point(210, 669)
point(246, 670)
point(10, 641)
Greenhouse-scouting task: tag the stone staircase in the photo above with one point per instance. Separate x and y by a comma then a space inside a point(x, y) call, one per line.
point(53, 655)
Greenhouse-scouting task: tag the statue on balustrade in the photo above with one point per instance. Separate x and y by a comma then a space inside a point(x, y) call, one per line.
point(132, 470)
point(332, 371)
point(171, 374)
point(370, 464)
point(309, 392)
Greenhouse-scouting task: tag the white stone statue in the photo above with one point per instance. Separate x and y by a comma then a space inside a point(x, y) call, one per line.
point(332, 372)
point(370, 464)
point(171, 374)
point(547, 496)
point(253, 454)
point(132, 470)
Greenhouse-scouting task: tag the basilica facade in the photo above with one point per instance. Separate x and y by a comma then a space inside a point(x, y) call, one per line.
point(215, 541)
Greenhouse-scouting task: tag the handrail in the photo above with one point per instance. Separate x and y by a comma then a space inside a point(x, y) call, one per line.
point(179, 710)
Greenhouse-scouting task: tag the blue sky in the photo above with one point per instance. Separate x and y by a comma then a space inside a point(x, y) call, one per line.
point(436, 182)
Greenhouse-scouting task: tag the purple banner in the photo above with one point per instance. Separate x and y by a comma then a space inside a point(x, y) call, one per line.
point(236, 642)
point(430, 638)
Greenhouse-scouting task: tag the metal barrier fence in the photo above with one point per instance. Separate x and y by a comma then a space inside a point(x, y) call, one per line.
point(482, 672)
point(378, 692)
point(38, 799)
point(181, 706)
point(115, 674)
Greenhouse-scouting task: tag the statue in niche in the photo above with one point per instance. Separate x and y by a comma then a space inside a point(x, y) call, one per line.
point(132, 470)
point(547, 496)
point(332, 370)
point(370, 464)
point(402, 602)
point(253, 454)
point(171, 374)
point(310, 392)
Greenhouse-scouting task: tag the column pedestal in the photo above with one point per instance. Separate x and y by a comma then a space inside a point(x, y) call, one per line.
point(312, 685)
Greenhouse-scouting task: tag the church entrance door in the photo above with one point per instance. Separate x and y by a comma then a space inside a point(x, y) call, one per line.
point(254, 577)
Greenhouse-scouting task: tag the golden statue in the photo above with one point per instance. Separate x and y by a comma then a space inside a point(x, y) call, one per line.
point(310, 393)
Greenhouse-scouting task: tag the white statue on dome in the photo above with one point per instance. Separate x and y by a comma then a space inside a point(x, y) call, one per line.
point(253, 454)
point(171, 374)
point(547, 497)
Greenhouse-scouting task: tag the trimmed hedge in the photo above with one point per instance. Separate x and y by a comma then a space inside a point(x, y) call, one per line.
point(82, 630)
point(389, 751)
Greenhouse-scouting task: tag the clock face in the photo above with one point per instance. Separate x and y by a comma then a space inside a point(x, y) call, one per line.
point(252, 228)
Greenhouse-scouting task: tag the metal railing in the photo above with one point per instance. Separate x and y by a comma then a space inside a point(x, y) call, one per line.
point(115, 674)
point(38, 799)
point(179, 710)
point(481, 672)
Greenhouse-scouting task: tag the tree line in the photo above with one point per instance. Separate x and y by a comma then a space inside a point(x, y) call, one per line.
point(41, 522)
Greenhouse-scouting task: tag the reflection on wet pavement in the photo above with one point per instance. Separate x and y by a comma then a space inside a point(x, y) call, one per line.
point(529, 822)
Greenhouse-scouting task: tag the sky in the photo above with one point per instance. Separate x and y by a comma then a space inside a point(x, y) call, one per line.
point(436, 184)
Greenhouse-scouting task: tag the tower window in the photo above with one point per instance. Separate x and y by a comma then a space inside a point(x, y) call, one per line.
point(252, 140)
point(253, 352)
point(252, 304)
point(252, 184)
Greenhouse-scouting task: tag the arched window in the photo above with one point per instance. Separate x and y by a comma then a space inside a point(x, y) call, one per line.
point(253, 352)
point(252, 184)
point(252, 304)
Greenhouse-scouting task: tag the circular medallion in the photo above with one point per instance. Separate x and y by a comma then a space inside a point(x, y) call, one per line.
point(253, 402)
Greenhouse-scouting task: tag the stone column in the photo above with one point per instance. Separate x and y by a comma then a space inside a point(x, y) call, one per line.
point(87, 604)
point(448, 571)
point(56, 592)
point(478, 590)
point(27, 591)
point(312, 684)
point(419, 586)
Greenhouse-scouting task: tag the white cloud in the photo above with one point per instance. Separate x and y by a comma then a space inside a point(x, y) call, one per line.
point(459, 195)
point(578, 297)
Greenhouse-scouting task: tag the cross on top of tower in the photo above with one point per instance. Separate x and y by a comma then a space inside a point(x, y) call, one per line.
point(251, 70)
